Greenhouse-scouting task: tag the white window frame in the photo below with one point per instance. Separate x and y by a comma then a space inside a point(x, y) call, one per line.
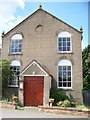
point(15, 63)
point(15, 37)
point(64, 34)
point(64, 62)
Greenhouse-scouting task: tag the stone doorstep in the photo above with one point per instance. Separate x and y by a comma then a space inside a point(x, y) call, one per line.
point(7, 105)
point(59, 110)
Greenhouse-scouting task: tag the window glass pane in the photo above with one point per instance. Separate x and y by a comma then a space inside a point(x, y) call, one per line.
point(16, 45)
point(64, 79)
point(60, 49)
point(19, 50)
point(12, 42)
point(17, 67)
point(60, 68)
point(64, 84)
point(12, 45)
point(60, 73)
point(60, 79)
point(20, 46)
point(68, 48)
point(15, 49)
point(16, 42)
point(60, 44)
point(64, 73)
point(13, 82)
point(69, 67)
point(17, 72)
point(64, 48)
point(14, 68)
point(68, 44)
point(69, 78)
point(20, 41)
point(60, 84)
point(68, 39)
point(64, 67)
point(69, 84)
point(69, 73)
point(64, 43)
point(64, 39)
point(59, 38)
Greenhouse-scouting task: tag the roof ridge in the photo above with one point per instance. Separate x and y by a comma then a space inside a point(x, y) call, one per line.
point(40, 8)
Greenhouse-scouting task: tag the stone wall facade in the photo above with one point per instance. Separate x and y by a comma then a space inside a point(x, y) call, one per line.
point(40, 32)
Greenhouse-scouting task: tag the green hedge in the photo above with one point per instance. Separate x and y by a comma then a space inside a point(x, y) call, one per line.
point(58, 95)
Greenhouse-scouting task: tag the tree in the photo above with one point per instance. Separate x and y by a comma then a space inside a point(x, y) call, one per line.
point(86, 64)
point(7, 74)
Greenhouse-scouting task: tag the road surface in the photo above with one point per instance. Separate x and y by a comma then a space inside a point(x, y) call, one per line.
point(33, 113)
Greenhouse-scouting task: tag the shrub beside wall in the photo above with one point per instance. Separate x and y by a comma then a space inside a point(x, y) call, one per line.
point(58, 95)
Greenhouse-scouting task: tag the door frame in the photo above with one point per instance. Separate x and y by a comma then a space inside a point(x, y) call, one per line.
point(24, 87)
point(28, 71)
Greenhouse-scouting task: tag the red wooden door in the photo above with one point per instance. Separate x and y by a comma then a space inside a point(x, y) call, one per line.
point(33, 90)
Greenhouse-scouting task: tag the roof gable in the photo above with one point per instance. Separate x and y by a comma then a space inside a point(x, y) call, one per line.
point(40, 9)
point(34, 69)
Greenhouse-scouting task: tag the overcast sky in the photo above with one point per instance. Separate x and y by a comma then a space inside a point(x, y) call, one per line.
point(73, 12)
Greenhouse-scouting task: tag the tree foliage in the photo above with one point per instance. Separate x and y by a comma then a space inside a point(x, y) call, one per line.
point(86, 67)
point(7, 74)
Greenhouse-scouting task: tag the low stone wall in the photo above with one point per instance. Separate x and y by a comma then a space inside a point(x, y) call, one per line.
point(65, 110)
point(7, 105)
point(9, 92)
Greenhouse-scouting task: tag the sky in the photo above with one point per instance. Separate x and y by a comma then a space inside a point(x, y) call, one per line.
point(73, 12)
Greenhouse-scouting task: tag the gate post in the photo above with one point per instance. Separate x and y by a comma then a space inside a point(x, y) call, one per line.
point(21, 92)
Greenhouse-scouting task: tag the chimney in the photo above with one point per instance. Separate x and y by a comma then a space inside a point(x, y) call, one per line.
point(40, 6)
point(3, 33)
point(81, 29)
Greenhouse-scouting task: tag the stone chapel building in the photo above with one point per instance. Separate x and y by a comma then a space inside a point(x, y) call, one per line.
point(45, 52)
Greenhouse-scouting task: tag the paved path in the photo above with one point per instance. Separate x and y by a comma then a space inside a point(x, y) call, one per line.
point(33, 113)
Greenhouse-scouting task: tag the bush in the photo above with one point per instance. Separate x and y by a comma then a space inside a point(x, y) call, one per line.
point(86, 83)
point(58, 95)
point(6, 100)
point(66, 103)
point(7, 75)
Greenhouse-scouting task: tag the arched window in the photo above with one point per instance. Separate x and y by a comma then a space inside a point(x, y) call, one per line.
point(64, 42)
point(64, 74)
point(15, 66)
point(16, 43)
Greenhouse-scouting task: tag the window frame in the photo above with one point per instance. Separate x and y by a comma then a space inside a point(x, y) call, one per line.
point(66, 88)
point(68, 35)
point(16, 39)
point(15, 63)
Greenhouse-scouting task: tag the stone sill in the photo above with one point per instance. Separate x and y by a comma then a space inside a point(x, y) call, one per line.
point(65, 110)
point(13, 54)
point(65, 52)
